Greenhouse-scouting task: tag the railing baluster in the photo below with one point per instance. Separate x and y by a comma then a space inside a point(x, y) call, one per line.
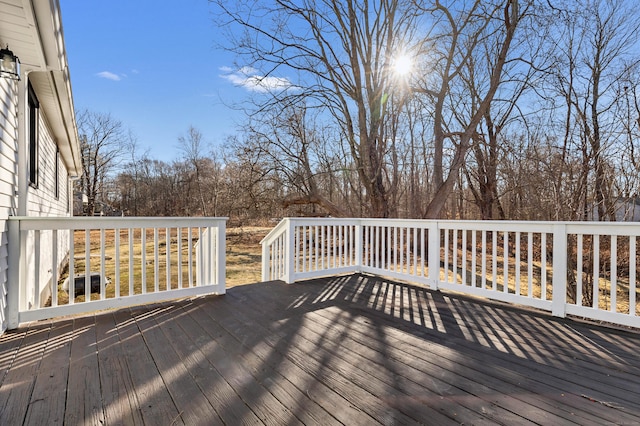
point(505, 261)
point(517, 264)
point(391, 249)
point(275, 259)
point(323, 246)
point(143, 251)
point(376, 250)
point(632, 275)
point(579, 271)
point(406, 261)
point(302, 235)
point(415, 251)
point(613, 282)
point(168, 256)
point(446, 255)
point(36, 273)
point(156, 262)
point(474, 260)
point(179, 243)
point(350, 246)
point(116, 278)
point(340, 248)
point(596, 270)
point(530, 265)
point(131, 233)
point(423, 251)
point(54, 268)
point(72, 268)
point(333, 246)
point(87, 264)
point(314, 262)
point(484, 260)
point(463, 257)
point(543, 264)
point(399, 249)
point(454, 255)
point(190, 255)
point(494, 260)
point(103, 292)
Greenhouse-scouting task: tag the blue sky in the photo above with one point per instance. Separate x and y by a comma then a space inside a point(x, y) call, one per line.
point(154, 65)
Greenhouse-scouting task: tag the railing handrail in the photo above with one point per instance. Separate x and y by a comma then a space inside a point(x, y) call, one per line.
point(472, 260)
point(105, 222)
point(39, 245)
point(275, 232)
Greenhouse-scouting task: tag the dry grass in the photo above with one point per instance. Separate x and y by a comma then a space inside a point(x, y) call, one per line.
point(243, 259)
point(244, 255)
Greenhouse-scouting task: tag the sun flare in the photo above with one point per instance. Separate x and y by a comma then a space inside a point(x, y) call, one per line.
point(402, 65)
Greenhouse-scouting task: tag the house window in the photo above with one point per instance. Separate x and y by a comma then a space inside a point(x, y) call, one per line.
point(57, 174)
point(34, 113)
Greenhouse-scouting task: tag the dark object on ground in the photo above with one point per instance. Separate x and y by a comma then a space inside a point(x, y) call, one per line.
point(79, 280)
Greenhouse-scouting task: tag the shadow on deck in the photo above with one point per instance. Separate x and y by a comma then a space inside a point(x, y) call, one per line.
point(344, 350)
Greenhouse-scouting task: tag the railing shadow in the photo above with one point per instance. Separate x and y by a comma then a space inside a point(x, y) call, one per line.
point(353, 349)
point(492, 324)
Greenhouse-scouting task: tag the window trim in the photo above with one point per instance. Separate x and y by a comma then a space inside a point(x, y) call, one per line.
point(34, 124)
point(56, 184)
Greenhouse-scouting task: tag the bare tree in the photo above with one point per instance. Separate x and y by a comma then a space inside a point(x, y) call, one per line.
point(341, 53)
point(102, 140)
point(193, 148)
point(465, 33)
point(595, 52)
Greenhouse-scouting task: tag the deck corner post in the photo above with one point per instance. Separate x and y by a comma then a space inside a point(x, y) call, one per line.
point(559, 283)
point(14, 284)
point(221, 258)
point(289, 251)
point(359, 248)
point(434, 255)
point(266, 261)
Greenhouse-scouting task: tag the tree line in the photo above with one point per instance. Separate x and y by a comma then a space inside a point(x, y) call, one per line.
point(520, 110)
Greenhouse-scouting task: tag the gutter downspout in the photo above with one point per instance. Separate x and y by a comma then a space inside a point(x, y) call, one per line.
point(23, 143)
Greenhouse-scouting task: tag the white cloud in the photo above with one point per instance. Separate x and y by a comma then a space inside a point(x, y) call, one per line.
point(249, 78)
point(109, 76)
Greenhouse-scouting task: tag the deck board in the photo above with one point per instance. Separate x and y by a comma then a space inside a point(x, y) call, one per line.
point(52, 377)
point(354, 350)
point(155, 402)
point(119, 399)
point(17, 386)
point(84, 395)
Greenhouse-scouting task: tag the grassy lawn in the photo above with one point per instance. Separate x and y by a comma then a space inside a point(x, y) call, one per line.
point(244, 255)
point(243, 259)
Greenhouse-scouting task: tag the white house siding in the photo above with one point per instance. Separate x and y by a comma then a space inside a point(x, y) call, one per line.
point(8, 180)
point(42, 201)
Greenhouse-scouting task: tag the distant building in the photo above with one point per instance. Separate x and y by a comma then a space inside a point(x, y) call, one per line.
point(625, 209)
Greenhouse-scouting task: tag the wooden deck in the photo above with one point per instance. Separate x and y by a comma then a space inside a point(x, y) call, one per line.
point(346, 350)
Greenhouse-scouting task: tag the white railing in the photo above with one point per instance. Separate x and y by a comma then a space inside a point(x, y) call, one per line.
point(587, 269)
point(56, 262)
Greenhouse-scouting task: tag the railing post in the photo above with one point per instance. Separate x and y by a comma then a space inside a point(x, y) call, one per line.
point(359, 243)
point(266, 261)
point(558, 304)
point(221, 258)
point(434, 255)
point(14, 285)
point(289, 252)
